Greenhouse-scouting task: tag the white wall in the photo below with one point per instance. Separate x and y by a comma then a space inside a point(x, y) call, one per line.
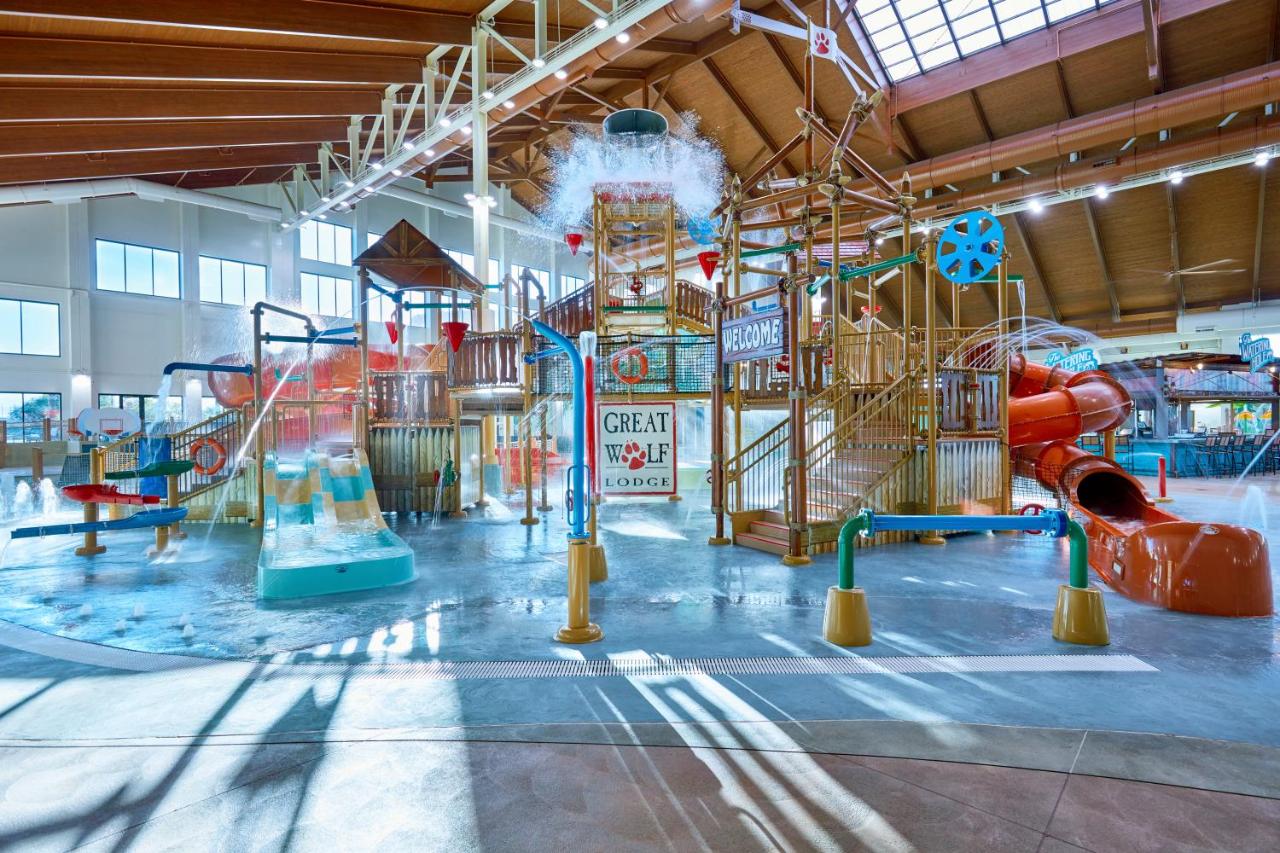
point(119, 343)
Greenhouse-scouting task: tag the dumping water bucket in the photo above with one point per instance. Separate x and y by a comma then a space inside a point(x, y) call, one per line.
point(454, 330)
point(708, 261)
point(574, 241)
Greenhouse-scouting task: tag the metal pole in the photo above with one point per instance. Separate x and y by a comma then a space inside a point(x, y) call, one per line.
point(259, 445)
point(796, 402)
point(526, 339)
point(1002, 310)
point(931, 392)
point(906, 293)
point(717, 379)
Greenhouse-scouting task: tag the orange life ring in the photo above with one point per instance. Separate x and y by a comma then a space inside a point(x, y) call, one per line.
point(628, 356)
point(219, 455)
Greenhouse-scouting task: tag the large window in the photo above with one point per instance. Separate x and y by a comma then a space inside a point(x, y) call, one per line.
point(24, 413)
point(571, 284)
point(322, 241)
point(383, 310)
point(147, 408)
point(125, 268)
point(209, 406)
point(914, 36)
point(232, 282)
point(465, 259)
point(543, 277)
point(324, 294)
point(371, 237)
point(29, 328)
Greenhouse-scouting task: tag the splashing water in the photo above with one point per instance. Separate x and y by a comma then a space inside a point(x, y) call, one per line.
point(693, 165)
point(156, 422)
point(48, 495)
point(22, 500)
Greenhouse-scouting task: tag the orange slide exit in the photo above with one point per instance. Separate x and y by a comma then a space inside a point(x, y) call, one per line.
point(1141, 551)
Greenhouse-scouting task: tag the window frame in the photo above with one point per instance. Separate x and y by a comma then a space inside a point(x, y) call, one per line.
point(266, 280)
point(57, 324)
point(97, 271)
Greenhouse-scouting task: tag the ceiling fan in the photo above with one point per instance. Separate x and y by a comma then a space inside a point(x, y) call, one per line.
point(1210, 268)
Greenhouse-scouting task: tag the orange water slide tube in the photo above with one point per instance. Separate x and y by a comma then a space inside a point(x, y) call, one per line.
point(1138, 549)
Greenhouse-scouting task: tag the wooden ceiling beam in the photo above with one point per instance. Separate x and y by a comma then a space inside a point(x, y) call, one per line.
point(741, 105)
point(61, 58)
point(1042, 47)
point(284, 17)
point(523, 31)
point(24, 170)
point(82, 137)
point(36, 104)
point(1033, 261)
point(1101, 254)
point(1151, 38)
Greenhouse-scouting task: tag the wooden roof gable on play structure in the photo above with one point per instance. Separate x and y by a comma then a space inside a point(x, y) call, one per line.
point(409, 259)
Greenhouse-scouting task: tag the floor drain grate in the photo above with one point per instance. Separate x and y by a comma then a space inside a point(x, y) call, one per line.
point(651, 667)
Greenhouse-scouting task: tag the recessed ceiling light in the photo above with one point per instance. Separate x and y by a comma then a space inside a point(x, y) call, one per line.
point(622, 38)
point(466, 130)
point(600, 23)
point(511, 105)
point(344, 204)
point(561, 74)
point(348, 184)
point(1035, 206)
point(1175, 176)
point(428, 153)
point(325, 199)
point(538, 62)
point(1101, 191)
point(408, 146)
point(303, 213)
point(445, 121)
point(469, 196)
point(487, 95)
point(321, 216)
point(1261, 158)
point(879, 241)
point(397, 172)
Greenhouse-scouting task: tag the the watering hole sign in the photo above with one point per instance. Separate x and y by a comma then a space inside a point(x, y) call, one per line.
point(637, 448)
point(754, 336)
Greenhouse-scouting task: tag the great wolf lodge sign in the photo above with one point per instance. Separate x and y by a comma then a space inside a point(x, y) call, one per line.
point(755, 336)
point(637, 448)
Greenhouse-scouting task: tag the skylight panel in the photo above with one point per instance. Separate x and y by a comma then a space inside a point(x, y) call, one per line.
point(914, 36)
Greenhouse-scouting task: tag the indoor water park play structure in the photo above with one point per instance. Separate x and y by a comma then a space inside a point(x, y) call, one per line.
point(881, 430)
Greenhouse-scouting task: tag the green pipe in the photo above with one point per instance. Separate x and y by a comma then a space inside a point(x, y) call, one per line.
point(817, 285)
point(771, 250)
point(859, 524)
point(1079, 577)
point(993, 280)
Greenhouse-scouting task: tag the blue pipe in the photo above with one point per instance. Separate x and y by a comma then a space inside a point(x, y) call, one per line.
point(146, 518)
point(316, 339)
point(578, 474)
point(246, 369)
point(337, 330)
point(533, 357)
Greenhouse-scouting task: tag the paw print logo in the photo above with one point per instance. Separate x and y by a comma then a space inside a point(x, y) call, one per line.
point(821, 43)
point(633, 457)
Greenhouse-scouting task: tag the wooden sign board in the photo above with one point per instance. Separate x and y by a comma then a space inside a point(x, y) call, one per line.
point(637, 448)
point(762, 335)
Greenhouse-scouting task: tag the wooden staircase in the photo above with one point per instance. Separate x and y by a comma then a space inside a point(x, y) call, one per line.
point(859, 438)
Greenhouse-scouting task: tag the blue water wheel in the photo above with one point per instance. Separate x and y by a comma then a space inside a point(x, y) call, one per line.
point(970, 247)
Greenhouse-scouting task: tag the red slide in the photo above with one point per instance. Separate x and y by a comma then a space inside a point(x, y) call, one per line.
point(1139, 550)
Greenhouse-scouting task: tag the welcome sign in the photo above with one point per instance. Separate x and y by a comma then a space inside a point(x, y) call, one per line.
point(637, 448)
point(761, 335)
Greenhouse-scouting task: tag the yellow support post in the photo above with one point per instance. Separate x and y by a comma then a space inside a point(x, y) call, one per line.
point(91, 546)
point(173, 499)
point(579, 628)
point(1002, 309)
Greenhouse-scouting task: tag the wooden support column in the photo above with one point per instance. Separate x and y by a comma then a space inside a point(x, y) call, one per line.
point(526, 455)
point(796, 411)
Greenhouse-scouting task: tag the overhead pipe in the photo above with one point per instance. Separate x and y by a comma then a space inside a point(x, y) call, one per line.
point(1071, 176)
point(69, 192)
